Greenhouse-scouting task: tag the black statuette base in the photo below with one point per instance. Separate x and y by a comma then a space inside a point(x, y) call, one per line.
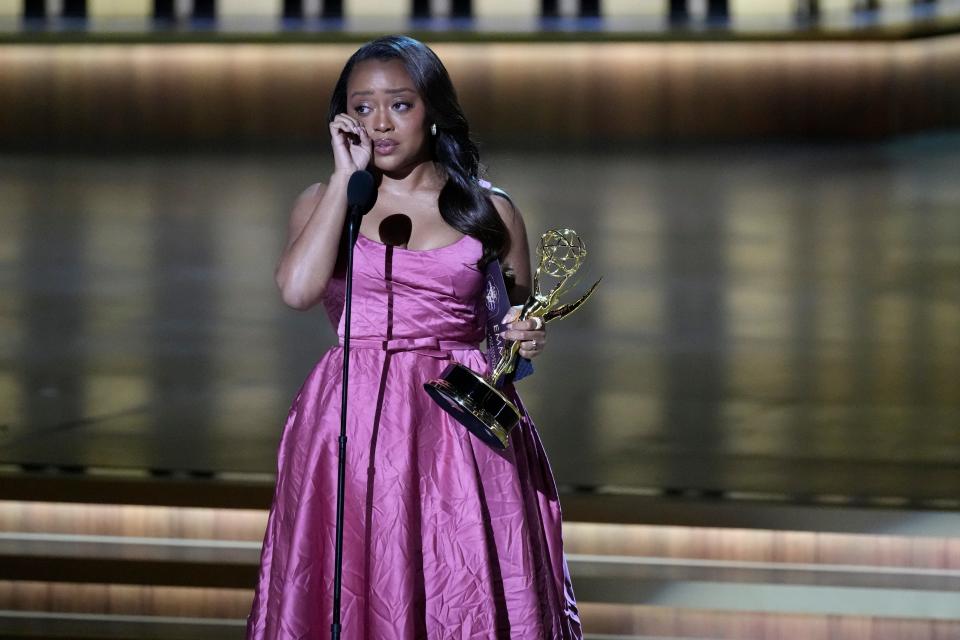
point(475, 403)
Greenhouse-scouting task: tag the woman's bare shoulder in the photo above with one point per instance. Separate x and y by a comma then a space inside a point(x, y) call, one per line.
point(304, 207)
point(516, 263)
point(313, 191)
point(308, 198)
point(504, 205)
point(509, 212)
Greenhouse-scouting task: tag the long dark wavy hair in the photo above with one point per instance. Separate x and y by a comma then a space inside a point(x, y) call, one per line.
point(464, 204)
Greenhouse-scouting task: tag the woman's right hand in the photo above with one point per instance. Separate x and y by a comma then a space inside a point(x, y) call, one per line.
point(352, 147)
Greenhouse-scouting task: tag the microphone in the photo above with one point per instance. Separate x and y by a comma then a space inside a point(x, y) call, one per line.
point(361, 193)
point(361, 196)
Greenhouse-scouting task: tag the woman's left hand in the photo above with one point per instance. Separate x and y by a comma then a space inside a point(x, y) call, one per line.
point(531, 333)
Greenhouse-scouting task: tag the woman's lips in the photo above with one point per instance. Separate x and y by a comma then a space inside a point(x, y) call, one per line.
point(384, 147)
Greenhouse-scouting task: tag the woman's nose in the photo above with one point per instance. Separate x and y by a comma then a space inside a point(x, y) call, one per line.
point(382, 122)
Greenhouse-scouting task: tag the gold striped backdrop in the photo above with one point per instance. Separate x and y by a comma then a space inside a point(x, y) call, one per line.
point(583, 92)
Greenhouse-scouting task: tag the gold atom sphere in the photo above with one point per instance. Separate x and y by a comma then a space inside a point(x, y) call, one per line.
point(561, 252)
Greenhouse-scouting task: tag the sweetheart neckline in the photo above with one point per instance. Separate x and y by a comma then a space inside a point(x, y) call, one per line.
point(399, 248)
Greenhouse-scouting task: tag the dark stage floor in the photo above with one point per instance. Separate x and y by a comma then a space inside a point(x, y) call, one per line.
point(773, 319)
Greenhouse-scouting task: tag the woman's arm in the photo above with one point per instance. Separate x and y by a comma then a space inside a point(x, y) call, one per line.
point(517, 260)
point(531, 333)
point(313, 241)
point(316, 222)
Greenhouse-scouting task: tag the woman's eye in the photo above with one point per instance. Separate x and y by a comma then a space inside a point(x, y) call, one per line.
point(401, 106)
point(362, 109)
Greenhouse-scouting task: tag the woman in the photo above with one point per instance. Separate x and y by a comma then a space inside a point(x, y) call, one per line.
point(444, 537)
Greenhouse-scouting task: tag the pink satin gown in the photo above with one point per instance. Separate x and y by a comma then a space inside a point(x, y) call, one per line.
point(444, 537)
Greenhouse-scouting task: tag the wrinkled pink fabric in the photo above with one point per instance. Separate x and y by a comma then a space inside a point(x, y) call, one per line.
point(444, 537)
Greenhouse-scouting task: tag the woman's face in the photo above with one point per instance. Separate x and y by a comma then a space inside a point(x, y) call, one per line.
point(381, 95)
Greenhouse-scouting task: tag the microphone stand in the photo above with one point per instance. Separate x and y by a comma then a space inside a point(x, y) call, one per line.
point(360, 198)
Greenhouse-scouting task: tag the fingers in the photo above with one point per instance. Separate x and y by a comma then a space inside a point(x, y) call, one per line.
point(355, 132)
point(519, 330)
point(516, 334)
point(352, 144)
point(356, 127)
point(347, 120)
point(531, 348)
point(364, 136)
point(343, 132)
point(511, 314)
point(529, 333)
point(363, 150)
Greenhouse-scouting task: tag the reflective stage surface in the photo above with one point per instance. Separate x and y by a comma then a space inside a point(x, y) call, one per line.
point(775, 319)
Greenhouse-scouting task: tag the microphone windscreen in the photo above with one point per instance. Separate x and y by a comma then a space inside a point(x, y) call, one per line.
point(360, 191)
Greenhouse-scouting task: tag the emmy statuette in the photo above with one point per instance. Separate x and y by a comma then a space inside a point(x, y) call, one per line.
point(476, 401)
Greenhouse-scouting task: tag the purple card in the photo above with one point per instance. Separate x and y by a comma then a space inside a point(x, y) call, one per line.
point(496, 303)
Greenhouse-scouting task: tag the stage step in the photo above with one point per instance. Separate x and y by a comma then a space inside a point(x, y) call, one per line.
point(36, 625)
point(608, 622)
point(772, 586)
point(183, 564)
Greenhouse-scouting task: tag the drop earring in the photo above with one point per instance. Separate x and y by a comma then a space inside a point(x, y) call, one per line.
point(433, 129)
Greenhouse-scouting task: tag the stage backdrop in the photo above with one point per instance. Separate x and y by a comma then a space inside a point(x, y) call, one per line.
point(148, 95)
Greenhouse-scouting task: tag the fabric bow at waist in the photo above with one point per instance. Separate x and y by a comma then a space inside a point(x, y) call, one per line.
point(427, 346)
